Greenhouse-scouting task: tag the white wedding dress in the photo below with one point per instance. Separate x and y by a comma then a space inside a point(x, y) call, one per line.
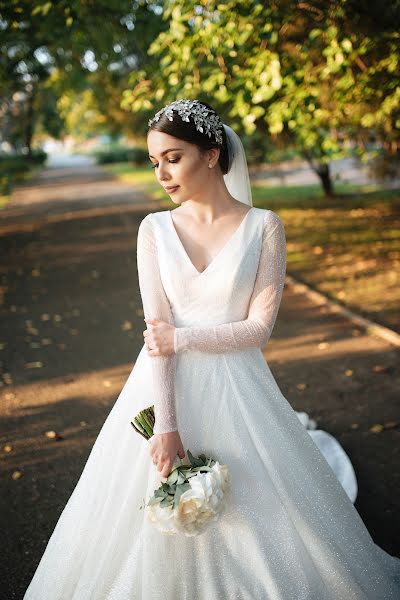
point(289, 531)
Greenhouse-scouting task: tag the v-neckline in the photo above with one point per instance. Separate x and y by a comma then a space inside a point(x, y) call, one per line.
point(210, 264)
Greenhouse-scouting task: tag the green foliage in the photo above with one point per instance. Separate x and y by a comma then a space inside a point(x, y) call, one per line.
point(54, 49)
point(322, 77)
point(13, 167)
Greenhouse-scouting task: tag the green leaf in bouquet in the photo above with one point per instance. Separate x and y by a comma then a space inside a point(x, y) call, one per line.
point(203, 458)
point(196, 462)
point(179, 491)
point(173, 476)
point(160, 493)
point(154, 500)
point(181, 478)
point(166, 502)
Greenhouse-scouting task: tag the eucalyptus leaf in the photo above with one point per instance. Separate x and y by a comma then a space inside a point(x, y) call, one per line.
point(166, 502)
point(154, 500)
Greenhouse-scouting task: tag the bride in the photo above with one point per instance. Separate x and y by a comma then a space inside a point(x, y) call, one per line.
point(211, 276)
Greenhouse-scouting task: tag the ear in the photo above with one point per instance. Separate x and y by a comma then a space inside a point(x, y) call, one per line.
point(213, 155)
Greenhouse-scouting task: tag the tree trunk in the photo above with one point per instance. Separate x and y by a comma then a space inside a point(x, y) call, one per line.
point(29, 125)
point(323, 172)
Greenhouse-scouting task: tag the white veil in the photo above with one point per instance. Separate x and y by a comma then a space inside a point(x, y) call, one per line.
point(237, 179)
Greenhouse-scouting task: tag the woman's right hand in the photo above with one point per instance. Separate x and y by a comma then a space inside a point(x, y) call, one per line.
point(164, 448)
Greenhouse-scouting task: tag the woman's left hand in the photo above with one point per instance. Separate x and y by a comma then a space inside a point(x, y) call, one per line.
point(159, 338)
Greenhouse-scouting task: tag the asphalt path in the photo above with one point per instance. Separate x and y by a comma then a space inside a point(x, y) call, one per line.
point(71, 328)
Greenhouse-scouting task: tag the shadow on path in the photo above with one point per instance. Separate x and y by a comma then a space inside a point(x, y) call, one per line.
point(71, 322)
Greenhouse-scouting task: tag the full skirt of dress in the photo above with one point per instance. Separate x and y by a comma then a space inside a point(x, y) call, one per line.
point(289, 530)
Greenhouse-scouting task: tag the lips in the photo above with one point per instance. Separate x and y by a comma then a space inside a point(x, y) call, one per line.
point(171, 188)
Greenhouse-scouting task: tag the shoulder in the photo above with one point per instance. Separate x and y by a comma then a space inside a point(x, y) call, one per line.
point(153, 218)
point(272, 223)
point(146, 224)
point(269, 218)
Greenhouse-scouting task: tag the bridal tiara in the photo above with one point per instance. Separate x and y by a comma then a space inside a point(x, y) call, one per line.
point(205, 120)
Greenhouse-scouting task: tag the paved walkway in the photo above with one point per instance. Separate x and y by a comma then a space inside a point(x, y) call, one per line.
point(71, 328)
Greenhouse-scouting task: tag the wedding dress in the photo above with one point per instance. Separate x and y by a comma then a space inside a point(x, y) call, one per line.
point(289, 531)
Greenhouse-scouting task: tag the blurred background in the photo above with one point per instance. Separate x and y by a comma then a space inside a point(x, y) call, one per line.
point(313, 90)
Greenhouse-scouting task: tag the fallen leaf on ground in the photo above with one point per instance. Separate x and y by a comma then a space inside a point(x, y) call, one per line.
point(32, 330)
point(301, 386)
point(16, 475)
point(348, 372)
point(8, 448)
point(377, 428)
point(36, 364)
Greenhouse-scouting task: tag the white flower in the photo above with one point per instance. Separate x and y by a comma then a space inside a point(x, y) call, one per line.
point(162, 518)
point(197, 507)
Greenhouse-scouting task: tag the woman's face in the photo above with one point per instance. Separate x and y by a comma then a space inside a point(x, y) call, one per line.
point(179, 166)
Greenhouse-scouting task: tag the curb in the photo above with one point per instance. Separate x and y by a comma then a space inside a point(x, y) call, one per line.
point(370, 327)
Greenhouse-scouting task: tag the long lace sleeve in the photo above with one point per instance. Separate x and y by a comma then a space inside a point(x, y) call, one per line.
point(256, 330)
point(156, 306)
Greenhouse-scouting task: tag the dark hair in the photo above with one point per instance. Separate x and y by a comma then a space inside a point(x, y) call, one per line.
point(186, 130)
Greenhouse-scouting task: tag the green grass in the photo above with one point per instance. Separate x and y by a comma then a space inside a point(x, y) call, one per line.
point(347, 247)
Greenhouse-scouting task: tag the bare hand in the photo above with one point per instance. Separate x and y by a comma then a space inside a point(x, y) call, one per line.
point(159, 338)
point(164, 447)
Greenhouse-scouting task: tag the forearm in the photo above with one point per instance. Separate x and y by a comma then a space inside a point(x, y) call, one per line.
point(250, 333)
point(163, 372)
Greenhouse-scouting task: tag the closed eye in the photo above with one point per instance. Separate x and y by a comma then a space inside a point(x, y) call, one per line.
point(170, 161)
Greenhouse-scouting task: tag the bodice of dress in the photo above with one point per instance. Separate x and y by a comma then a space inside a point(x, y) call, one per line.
point(219, 294)
point(230, 306)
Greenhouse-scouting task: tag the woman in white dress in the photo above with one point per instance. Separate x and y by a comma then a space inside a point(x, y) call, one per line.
point(211, 276)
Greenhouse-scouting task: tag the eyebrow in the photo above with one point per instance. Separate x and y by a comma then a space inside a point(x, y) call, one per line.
point(165, 151)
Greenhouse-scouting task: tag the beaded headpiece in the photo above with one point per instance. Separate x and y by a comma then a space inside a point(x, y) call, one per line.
point(205, 120)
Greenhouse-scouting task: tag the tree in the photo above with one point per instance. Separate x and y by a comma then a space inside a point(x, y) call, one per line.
point(56, 48)
point(308, 72)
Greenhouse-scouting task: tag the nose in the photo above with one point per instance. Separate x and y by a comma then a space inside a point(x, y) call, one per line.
point(162, 171)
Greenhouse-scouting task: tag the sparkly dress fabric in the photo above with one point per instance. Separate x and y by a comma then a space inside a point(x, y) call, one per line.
point(289, 530)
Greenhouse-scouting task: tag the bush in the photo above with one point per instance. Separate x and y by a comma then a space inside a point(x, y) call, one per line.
point(13, 167)
point(138, 156)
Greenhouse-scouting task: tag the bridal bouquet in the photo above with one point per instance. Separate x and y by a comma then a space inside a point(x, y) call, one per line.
point(192, 495)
